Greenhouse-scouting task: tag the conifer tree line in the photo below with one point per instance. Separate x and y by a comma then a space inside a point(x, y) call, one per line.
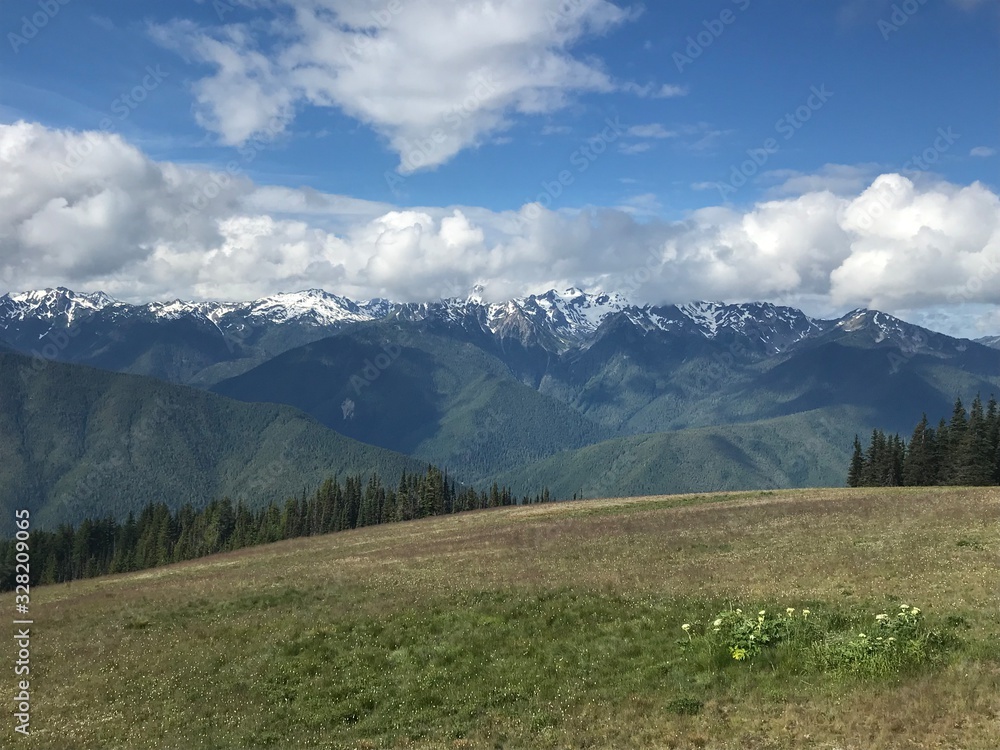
point(158, 536)
point(964, 450)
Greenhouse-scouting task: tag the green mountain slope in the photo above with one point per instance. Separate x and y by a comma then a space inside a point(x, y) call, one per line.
point(78, 442)
point(409, 389)
point(728, 421)
point(811, 449)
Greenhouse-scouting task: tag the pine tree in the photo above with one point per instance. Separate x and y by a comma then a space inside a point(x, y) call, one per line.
point(857, 468)
point(974, 462)
point(993, 436)
point(919, 468)
point(951, 469)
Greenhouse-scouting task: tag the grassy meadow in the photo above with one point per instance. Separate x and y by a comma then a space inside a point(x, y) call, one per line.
point(553, 626)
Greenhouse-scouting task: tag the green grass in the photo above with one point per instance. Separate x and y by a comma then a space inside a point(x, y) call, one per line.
point(541, 627)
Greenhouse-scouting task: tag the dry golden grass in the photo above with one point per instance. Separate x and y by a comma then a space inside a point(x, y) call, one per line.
point(179, 657)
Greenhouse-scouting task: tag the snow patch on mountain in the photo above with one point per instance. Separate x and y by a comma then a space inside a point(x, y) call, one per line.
point(705, 315)
point(52, 304)
point(313, 306)
point(555, 320)
point(991, 341)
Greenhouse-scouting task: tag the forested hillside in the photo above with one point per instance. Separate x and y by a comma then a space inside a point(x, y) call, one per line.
point(81, 443)
point(413, 390)
point(157, 536)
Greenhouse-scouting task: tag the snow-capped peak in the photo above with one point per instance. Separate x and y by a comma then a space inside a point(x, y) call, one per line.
point(311, 305)
point(773, 326)
point(476, 295)
point(582, 310)
point(706, 315)
point(881, 326)
point(557, 320)
point(54, 303)
point(569, 315)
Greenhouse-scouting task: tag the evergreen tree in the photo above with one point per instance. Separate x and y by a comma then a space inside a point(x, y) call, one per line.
point(974, 461)
point(920, 465)
point(857, 468)
point(158, 536)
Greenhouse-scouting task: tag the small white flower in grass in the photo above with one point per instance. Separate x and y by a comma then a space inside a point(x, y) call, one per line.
point(686, 627)
point(717, 623)
point(862, 635)
point(914, 611)
point(882, 618)
point(761, 612)
point(904, 606)
point(805, 613)
point(790, 611)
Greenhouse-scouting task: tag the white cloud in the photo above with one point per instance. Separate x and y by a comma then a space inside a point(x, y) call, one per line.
point(841, 179)
point(631, 149)
point(983, 151)
point(246, 96)
point(556, 130)
point(668, 91)
point(645, 204)
point(655, 91)
point(652, 130)
point(433, 77)
point(121, 222)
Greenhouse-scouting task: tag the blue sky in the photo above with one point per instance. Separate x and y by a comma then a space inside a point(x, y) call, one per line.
point(889, 98)
point(649, 113)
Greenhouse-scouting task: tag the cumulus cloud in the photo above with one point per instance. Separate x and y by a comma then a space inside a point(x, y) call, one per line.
point(90, 211)
point(433, 77)
point(983, 151)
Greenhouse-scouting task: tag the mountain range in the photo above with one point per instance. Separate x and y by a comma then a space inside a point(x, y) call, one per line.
point(585, 393)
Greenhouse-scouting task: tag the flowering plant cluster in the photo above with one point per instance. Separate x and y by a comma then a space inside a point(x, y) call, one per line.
point(744, 635)
point(894, 641)
point(874, 647)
